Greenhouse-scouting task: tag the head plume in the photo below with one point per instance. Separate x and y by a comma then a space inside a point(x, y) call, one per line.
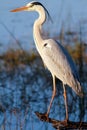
point(38, 3)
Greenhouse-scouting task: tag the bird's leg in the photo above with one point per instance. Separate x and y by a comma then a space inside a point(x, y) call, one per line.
point(53, 95)
point(66, 105)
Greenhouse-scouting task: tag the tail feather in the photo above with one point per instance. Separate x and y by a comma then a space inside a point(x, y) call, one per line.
point(78, 89)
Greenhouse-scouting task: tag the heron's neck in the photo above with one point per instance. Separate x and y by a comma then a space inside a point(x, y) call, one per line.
point(37, 28)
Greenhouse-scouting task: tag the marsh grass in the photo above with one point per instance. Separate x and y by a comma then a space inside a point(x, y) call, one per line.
point(14, 58)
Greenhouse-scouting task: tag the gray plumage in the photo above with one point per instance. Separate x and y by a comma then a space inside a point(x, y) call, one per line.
point(59, 62)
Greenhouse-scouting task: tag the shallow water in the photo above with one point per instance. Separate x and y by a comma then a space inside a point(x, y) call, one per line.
point(27, 89)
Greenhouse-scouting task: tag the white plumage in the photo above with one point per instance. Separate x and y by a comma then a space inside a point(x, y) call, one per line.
point(53, 54)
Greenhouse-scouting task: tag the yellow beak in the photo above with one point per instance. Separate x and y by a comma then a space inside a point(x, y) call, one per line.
point(23, 8)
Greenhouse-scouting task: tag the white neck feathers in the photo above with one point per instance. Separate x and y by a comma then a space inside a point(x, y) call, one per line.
point(37, 27)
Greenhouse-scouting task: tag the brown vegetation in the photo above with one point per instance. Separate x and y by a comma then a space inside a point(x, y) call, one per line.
point(13, 58)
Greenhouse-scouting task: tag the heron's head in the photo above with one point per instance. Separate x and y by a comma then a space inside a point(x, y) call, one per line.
point(29, 7)
point(32, 6)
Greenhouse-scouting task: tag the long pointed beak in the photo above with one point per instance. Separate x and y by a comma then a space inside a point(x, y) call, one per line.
point(23, 8)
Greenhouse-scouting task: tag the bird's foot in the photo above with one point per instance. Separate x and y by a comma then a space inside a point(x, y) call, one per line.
point(66, 121)
point(46, 116)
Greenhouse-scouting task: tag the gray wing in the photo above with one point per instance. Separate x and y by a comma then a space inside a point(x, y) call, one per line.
point(60, 64)
point(58, 61)
point(69, 61)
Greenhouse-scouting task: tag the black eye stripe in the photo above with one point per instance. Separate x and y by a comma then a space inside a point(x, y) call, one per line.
point(36, 3)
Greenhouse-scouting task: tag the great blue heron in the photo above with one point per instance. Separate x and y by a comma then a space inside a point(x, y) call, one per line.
point(53, 55)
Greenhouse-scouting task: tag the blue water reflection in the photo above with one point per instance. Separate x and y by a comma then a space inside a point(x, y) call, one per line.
point(27, 89)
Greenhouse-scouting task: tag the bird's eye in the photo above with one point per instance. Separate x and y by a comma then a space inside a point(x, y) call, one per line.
point(45, 44)
point(31, 5)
